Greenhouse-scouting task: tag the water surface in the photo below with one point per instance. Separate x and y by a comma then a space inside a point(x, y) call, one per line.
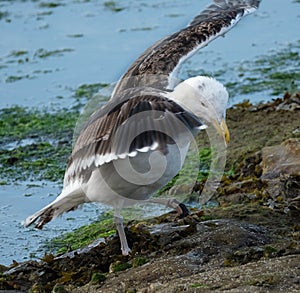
point(47, 52)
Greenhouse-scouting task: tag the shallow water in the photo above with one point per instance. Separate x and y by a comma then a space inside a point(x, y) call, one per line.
point(47, 52)
point(19, 201)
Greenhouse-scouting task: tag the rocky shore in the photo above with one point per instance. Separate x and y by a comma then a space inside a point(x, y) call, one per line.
point(249, 242)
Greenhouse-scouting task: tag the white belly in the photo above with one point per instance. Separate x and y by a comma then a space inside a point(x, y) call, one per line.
point(124, 182)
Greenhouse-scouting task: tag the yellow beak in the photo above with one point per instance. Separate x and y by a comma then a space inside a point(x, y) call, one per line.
point(222, 130)
point(226, 131)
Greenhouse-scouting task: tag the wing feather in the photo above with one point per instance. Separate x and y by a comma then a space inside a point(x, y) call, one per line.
point(163, 58)
point(142, 123)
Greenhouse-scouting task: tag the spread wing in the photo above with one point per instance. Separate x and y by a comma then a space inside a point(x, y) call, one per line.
point(163, 59)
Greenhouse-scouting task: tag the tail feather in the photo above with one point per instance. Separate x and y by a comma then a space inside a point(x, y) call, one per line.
point(62, 204)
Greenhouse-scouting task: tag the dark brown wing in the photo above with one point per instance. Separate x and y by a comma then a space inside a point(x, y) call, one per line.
point(163, 58)
point(141, 123)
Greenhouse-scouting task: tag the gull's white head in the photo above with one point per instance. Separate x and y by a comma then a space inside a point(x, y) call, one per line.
point(206, 98)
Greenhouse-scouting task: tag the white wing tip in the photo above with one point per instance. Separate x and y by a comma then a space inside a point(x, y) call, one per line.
point(28, 221)
point(202, 127)
point(250, 10)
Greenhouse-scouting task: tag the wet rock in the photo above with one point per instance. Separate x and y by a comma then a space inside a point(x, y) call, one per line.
point(181, 189)
point(281, 159)
point(204, 250)
point(58, 288)
point(284, 194)
point(265, 275)
point(251, 166)
point(231, 235)
point(281, 174)
point(289, 102)
point(84, 250)
point(3, 268)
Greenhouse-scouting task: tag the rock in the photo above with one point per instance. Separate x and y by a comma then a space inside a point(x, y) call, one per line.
point(284, 194)
point(206, 250)
point(181, 189)
point(281, 159)
point(251, 165)
point(290, 102)
point(265, 275)
point(287, 103)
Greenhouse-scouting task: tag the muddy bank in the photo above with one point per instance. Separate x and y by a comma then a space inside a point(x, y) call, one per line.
point(250, 242)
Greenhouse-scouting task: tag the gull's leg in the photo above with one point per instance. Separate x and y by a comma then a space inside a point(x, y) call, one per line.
point(120, 228)
point(181, 209)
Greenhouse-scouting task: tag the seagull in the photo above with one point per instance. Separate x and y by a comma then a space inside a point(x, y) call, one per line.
point(136, 143)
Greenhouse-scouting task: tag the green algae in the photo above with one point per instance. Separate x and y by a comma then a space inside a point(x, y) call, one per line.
point(139, 261)
point(35, 144)
point(23, 56)
point(58, 288)
point(173, 15)
point(88, 90)
point(97, 278)
point(3, 14)
point(119, 266)
point(273, 73)
point(43, 53)
point(83, 235)
point(17, 53)
point(50, 4)
point(198, 285)
point(20, 123)
point(112, 6)
point(75, 35)
point(146, 28)
point(14, 78)
point(40, 161)
point(276, 73)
